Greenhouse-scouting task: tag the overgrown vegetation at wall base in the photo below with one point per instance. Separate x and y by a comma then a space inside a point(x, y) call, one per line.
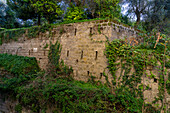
point(70, 96)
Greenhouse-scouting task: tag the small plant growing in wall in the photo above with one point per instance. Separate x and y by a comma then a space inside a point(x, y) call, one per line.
point(99, 29)
point(18, 108)
point(46, 46)
point(56, 66)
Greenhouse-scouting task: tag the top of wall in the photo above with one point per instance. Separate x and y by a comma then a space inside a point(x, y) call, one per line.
point(6, 35)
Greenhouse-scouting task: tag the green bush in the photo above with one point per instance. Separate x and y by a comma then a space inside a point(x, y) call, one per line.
point(19, 65)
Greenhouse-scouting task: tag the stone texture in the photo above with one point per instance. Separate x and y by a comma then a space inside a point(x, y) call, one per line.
point(83, 46)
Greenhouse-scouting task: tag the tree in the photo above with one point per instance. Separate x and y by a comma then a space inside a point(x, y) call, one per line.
point(158, 16)
point(97, 8)
point(7, 17)
point(75, 13)
point(49, 9)
point(23, 9)
point(108, 8)
point(137, 7)
point(31, 9)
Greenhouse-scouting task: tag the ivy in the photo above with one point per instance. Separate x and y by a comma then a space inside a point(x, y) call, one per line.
point(134, 57)
point(56, 67)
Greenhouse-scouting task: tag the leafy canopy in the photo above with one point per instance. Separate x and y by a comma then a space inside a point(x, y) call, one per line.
point(22, 8)
point(108, 8)
point(47, 8)
point(74, 13)
point(7, 17)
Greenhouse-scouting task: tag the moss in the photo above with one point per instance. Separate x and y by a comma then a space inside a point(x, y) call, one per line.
point(109, 23)
point(104, 24)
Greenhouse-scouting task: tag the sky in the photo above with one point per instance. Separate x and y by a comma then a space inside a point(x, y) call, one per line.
point(124, 9)
point(3, 1)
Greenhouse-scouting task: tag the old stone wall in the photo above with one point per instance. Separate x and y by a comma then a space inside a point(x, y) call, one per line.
point(3, 108)
point(83, 46)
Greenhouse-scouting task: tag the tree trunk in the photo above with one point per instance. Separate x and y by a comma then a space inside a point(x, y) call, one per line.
point(137, 12)
point(165, 79)
point(70, 2)
point(49, 22)
point(39, 19)
point(138, 18)
point(144, 74)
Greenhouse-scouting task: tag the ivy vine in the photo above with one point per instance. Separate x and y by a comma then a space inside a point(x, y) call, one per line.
point(137, 58)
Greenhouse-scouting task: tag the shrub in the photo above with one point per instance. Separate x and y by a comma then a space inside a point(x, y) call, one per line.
point(19, 65)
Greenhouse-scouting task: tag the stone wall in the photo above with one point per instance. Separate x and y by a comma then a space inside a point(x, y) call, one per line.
point(83, 46)
point(3, 108)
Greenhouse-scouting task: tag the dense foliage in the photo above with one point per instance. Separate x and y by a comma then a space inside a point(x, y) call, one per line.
point(18, 65)
point(22, 8)
point(47, 8)
point(15, 71)
point(108, 9)
point(74, 13)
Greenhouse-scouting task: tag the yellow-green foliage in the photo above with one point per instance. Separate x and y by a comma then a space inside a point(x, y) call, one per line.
point(74, 13)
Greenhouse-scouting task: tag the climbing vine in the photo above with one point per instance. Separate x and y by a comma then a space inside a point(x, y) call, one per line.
point(56, 67)
point(131, 60)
